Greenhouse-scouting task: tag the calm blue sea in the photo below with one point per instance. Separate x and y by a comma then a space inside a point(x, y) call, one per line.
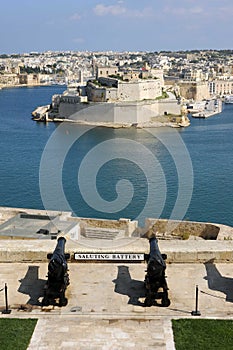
point(114, 173)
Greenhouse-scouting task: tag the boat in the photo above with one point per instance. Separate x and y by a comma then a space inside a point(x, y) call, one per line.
point(228, 99)
point(41, 112)
point(199, 115)
point(196, 107)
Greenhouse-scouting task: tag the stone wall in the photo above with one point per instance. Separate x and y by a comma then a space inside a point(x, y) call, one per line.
point(95, 93)
point(69, 110)
point(139, 90)
point(171, 229)
point(118, 113)
point(168, 107)
point(113, 90)
point(129, 226)
point(137, 112)
point(194, 90)
point(89, 112)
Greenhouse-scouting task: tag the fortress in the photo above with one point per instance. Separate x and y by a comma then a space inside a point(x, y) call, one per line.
point(116, 99)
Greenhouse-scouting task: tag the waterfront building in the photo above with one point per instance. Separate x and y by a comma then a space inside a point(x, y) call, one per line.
point(9, 79)
point(29, 79)
point(221, 87)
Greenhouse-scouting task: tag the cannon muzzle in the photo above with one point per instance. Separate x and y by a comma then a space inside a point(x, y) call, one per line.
point(59, 250)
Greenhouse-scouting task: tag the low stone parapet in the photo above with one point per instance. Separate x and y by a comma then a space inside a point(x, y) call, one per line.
point(177, 251)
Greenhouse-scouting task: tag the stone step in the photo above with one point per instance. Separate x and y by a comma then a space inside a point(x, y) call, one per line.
point(101, 234)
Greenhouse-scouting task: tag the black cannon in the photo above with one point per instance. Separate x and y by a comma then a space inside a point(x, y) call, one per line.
point(155, 278)
point(58, 277)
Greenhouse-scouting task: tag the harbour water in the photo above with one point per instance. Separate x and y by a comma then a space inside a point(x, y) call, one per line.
point(114, 173)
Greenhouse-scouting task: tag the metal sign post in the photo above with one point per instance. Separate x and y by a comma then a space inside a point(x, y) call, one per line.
point(196, 312)
point(7, 310)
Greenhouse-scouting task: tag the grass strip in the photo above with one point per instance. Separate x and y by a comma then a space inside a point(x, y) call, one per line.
point(203, 334)
point(15, 333)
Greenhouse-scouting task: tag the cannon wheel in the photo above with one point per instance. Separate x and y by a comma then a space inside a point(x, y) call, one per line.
point(148, 302)
point(165, 301)
point(63, 301)
point(45, 301)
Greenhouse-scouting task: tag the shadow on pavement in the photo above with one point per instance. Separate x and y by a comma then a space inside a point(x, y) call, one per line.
point(218, 282)
point(32, 285)
point(125, 285)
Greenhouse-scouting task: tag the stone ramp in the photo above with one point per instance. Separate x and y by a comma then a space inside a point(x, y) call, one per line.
point(102, 334)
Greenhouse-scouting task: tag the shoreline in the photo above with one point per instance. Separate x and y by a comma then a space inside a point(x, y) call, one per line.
point(2, 87)
point(111, 125)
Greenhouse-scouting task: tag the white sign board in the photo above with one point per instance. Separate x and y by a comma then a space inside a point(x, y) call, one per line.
point(110, 256)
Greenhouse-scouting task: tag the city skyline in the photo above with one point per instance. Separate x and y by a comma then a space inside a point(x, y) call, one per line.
point(98, 25)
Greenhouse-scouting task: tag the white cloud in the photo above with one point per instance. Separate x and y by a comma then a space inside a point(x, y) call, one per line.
point(118, 10)
point(196, 10)
point(217, 11)
point(183, 11)
point(226, 10)
point(75, 17)
point(146, 12)
point(115, 10)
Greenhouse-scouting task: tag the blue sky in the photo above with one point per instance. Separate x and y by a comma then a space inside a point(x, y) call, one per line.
point(130, 25)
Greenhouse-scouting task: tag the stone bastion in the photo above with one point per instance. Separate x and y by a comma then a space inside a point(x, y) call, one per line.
point(28, 235)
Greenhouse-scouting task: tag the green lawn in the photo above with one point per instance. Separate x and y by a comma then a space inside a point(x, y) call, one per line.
point(15, 333)
point(203, 334)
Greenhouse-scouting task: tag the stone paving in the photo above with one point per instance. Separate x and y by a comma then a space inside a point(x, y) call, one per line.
point(105, 308)
point(100, 334)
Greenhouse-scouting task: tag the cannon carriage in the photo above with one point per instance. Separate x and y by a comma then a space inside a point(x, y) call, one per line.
point(58, 277)
point(155, 279)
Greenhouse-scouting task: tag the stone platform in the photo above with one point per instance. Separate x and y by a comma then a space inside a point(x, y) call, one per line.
point(105, 308)
point(105, 300)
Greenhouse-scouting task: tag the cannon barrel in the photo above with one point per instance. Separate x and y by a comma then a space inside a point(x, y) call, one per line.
point(155, 254)
point(58, 277)
point(59, 251)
